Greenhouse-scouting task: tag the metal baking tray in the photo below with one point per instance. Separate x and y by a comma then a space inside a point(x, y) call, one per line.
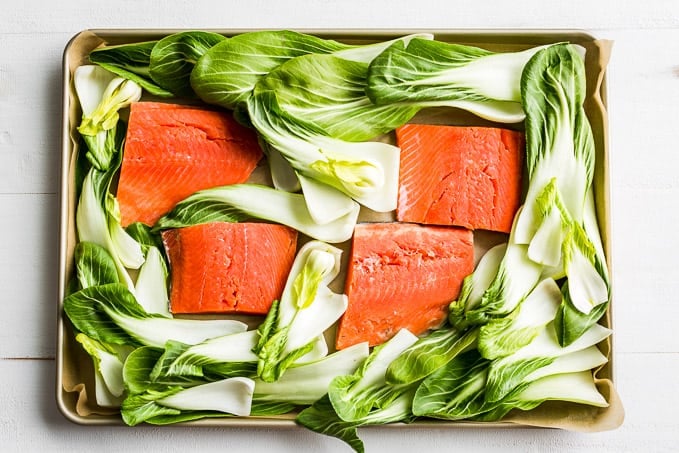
point(74, 379)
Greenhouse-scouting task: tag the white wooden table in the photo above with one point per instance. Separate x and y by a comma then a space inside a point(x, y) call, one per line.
point(644, 161)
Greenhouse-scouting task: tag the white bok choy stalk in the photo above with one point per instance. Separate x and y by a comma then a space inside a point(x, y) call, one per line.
point(231, 395)
point(98, 221)
point(241, 202)
point(151, 286)
point(294, 326)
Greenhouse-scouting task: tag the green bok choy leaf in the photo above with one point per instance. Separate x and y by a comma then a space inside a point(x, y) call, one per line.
point(355, 396)
point(131, 62)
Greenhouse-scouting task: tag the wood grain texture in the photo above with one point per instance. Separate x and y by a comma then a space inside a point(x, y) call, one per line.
point(643, 84)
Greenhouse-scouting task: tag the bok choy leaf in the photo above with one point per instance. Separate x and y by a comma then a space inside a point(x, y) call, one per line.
point(173, 58)
point(131, 62)
point(364, 171)
point(101, 96)
point(306, 383)
point(429, 354)
point(505, 335)
point(307, 308)
point(110, 313)
point(321, 418)
point(558, 222)
point(98, 222)
point(240, 202)
point(94, 265)
point(227, 73)
point(432, 73)
point(181, 398)
point(540, 357)
point(108, 362)
point(328, 92)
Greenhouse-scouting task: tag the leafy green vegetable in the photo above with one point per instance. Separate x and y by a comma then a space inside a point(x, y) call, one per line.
point(234, 348)
point(227, 73)
point(475, 285)
point(241, 202)
point(560, 158)
point(460, 389)
point(94, 265)
point(541, 357)
point(364, 171)
point(101, 96)
point(434, 73)
point(577, 387)
point(455, 391)
point(516, 277)
point(429, 354)
point(354, 396)
point(171, 404)
point(130, 61)
point(173, 58)
point(151, 286)
point(306, 309)
point(304, 384)
point(321, 418)
point(503, 336)
point(328, 92)
point(110, 314)
point(98, 222)
point(108, 370)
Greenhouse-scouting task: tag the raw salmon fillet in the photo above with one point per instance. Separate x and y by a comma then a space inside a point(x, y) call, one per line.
point(172, 151)
point(465, 176)
point(402, 275)
point(225, 267)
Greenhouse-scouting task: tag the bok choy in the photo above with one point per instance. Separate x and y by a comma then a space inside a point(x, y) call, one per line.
point(110, 313)
point(295, 324)
point(241, 202)
point(364, 397)
point(180, 399)
point(131, 62)
point(432, 73)
point(560, 157)
point(227, 73)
